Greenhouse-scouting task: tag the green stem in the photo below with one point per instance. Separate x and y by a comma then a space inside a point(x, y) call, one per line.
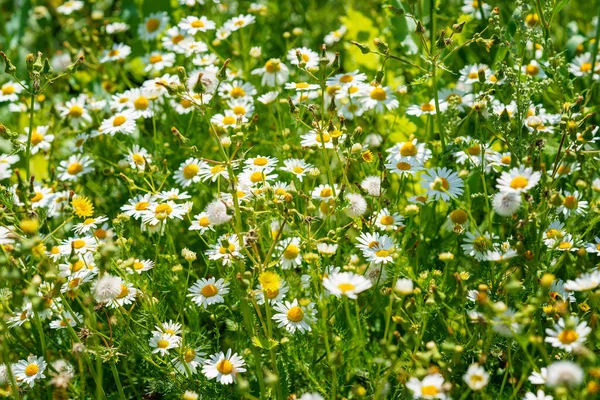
point(29, 134)
point(595, 49)
point(115, 373)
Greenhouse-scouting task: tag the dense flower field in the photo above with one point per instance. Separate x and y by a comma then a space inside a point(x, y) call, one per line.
point(299, 199)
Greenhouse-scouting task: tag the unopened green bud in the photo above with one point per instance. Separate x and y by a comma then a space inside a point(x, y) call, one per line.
point(363, 49)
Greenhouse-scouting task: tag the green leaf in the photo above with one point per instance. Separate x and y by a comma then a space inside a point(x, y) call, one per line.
point(264, 343)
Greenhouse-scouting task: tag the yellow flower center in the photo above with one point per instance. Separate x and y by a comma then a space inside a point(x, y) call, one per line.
point(272, 67)
point(532, 70)
point(403, 166)
point(291, 251)
point(138, 265)
point(197, 24)
point(301, 85)
point(228, 120)
point(326, 192)
point(36, 138)
point(31, 369)
point(480, 243)
point(570, 202)
point(565, 245)
point(216, 169)
point(9, 89)
point(568, 336)
point(237, 92)
point(298, 170)
point(429, 390)
point(386, 220)
point(190, 171)
point(378, 94)
point(141, 206)
point(79, 264)
point(75, 111)
point(209, 290)
point(295, 314)
point(124, 291)
point(473, 75)
point(346, 78)
point(505, 160)
point(326, 137)
point(38, 196)
point(138, 159)
point(78, 243)
point(189, 355)
point(427, 107)
point(585, 67)
point(152, 25)
point(141, 103)
point(458, 217)
point(155, 58)
point(441, 183)
point(204, 221)
point(382, 253)
point(239, 110)
point(162, 343)
point(519, 182)
point(346, 287)
point(474, 150)
point(163, 209)
point(408, 150)
point(119, 120)
point(225, 367)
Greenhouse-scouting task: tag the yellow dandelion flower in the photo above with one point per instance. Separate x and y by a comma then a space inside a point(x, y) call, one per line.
point(269, 281)
point(82, 207)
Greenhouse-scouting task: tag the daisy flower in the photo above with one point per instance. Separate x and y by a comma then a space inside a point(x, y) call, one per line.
point(192, 25)
point(567, 243)
point(213, 173)
point(140, 266)
point(423, 109)
point(202, 223)
point(89, 224)
point(223, 367)
point(161, 212)
point(539, 395)
point(572, 204)
point(290, 253)
point(138, 157)
point(206, 292)
point(74, 167)
point(273, 73)
point(409, 151)
point(153, 25)
point(70, 6)
point(379, 98)
point(121, 122)
point(271, 289)
point(297, 167)
point(237, 89)
point(324, 192)
point(227, 249)
point(594, 247)
point(66, 319)
point(346, 283)
point(318, 138)
point(161, 343)
point(519, 180)
point(533, 69)
point(189, 361)
point(585, 282)
point(239, 22)
point(442, 183)
point(26, 372)
point(582, 66)
point(478, 245)
point(138, 205)
point(189, 172)
point(568, 336)
point(10, 91)
point(40, 139)
point(119, 51)
point(228, 120)
point(305, 55)
point(42, 196)
point(75, 112)
point(476, 377)
point(387, 221)
point(294, 317)
point(428, 388)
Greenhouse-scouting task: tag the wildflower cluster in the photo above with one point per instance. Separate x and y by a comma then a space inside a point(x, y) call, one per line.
point(298, 201)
